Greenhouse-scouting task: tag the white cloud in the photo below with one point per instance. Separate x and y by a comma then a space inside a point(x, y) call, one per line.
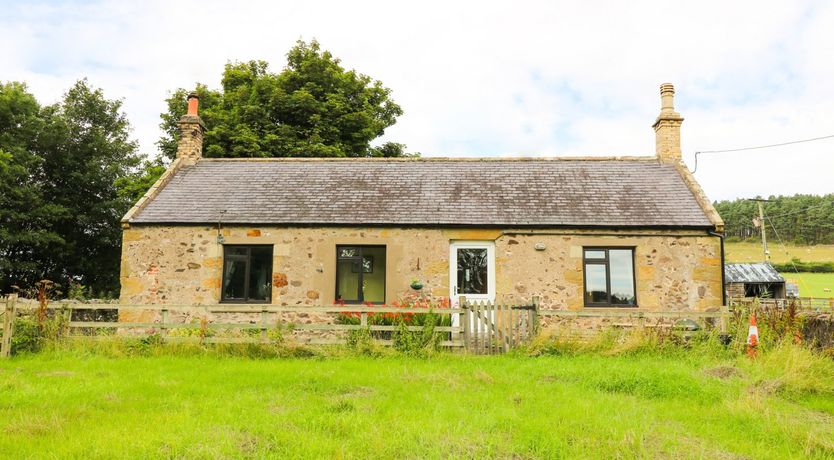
point(486, 78)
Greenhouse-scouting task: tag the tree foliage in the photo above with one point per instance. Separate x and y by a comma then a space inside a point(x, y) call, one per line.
point(798, 219)
point(60, 210)
point(26, 217)
point(312, 108)
point(133, 186)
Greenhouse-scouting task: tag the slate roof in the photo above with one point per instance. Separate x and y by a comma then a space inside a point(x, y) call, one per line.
point(752, 273)
point(453, 192)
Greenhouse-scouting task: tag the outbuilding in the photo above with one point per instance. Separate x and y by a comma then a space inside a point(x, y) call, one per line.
point(754, 280)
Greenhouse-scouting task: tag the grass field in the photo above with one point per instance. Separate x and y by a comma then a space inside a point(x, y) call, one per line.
point(60, 405)
point(813, 284)
point(752, 252)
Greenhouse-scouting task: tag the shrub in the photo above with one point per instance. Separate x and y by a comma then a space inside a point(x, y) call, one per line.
point(807, 267)
point(32, 333)
point(420, 342)
point(27, 336)
point(428, 320)
point(775, 325)
point(77, 291)
point(360, 342)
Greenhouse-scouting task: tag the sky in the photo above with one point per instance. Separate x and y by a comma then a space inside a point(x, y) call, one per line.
point(481, 78)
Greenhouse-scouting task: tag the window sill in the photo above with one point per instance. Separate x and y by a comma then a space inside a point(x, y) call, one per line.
point(241, 301)
point(613, 307)
point(356, 302)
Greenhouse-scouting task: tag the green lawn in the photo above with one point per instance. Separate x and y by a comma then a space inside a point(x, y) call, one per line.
point(812, 284)
point(62, 405)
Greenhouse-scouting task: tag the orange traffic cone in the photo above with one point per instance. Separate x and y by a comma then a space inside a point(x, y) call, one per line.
point(752, 337)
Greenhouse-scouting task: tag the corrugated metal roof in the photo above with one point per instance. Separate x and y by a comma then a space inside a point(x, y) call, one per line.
point(495, 192)
point(752, 273)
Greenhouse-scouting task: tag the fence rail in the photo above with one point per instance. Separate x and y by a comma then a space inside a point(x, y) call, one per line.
point(264, 318)
point(478, 327)
point(803, 303)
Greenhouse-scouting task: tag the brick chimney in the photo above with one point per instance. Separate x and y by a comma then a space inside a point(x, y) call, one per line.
point(667, 128)
point(190, 145)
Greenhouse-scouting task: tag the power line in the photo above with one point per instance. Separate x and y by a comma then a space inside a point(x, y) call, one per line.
point(802, 210)
point(758, 147)
point(766, 146)
point(795, 213)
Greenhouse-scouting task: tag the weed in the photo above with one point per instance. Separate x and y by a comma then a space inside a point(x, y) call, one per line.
point(361, 342)
point(418, 343)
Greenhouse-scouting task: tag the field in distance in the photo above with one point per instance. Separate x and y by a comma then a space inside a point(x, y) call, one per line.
point(752, 252)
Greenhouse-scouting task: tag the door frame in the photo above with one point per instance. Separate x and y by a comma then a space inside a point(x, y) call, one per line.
point(489, 245)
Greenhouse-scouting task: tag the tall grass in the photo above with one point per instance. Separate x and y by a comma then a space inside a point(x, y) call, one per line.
point(604, 401)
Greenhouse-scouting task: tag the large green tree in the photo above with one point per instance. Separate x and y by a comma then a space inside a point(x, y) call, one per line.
point(312, 108)
point(64, 161)
point(26, 217)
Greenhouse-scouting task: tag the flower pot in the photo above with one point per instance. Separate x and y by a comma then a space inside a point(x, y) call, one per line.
point(417, 286)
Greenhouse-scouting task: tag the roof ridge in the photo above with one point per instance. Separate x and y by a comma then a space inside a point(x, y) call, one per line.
point(645, 158)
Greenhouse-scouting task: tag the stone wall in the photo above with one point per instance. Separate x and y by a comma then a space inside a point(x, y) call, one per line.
point(675, 270)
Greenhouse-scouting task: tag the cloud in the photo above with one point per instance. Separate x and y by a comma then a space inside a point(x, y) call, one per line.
point(486, 78)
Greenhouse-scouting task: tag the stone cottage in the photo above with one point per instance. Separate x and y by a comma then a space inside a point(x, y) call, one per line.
point(597, 232)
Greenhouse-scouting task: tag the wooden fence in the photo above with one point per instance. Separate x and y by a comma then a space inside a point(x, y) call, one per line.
point(482, 328)
point(818, 304)
point(8, 315)
point(164, 323)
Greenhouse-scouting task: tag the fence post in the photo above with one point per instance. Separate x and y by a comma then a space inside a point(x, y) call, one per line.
point(66, 331)
point(475, 314)
point(534, 317)
point(489, 319)
point(264, 323)
point(463, 322)
point(725, 314)
point(163, 328)
point(505, 310)
point(363, 319)
point(461, 331)
point(8, 326)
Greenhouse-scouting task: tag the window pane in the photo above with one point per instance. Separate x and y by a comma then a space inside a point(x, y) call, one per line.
point(236, 251)
point(472, 271)
point(621, 267)
point(594, 254)
point(373, 275)
point(260, 274)
point(595, 283)
point(234, 279)
point(347, 281)
point(345, 253)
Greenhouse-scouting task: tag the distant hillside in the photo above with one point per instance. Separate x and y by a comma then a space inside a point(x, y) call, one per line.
point(798, 219)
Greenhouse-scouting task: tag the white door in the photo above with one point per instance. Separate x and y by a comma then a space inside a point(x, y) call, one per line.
point(471, 272)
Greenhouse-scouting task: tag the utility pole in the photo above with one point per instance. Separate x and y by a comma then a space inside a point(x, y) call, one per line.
point(763, 226)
